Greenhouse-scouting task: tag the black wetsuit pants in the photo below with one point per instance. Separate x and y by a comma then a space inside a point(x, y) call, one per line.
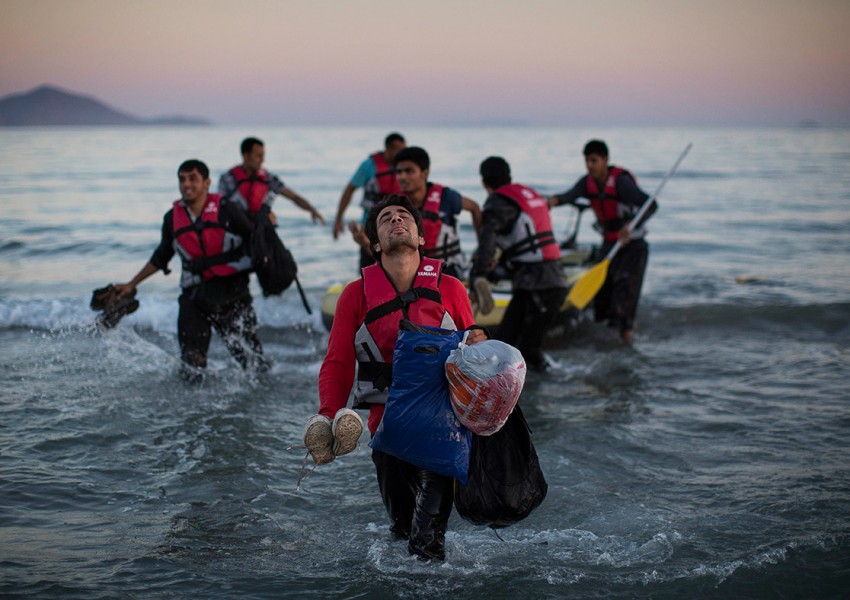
point(617, 301)
point(529, 315)
point(235, 322)
point(419, 504)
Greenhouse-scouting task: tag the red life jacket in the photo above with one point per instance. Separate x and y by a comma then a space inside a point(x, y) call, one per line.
point(531, 239)
point(250, 189)
point(441, 239)
point(385, 308)
point(385, 179)
point(208, 250)
point(611, 214)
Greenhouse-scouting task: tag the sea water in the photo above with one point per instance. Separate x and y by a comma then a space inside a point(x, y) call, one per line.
point(711, 459)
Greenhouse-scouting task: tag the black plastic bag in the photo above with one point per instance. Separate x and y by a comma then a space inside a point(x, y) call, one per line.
point(505, 480)
point(271, 260)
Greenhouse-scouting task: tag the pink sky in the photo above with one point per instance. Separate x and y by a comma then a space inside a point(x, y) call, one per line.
point(398, 62)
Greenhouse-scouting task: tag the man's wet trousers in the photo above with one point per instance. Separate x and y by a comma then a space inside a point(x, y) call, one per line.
point(419, 504)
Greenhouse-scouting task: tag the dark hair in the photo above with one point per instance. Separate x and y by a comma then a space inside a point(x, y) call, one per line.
point(193, 164)
point(495, 172)
point(393, 137)
point(414, 154)
point(372, 219)
point(249, 143)
point(596, 147)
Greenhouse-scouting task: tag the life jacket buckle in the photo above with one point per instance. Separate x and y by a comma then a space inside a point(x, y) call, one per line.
point(409, 297)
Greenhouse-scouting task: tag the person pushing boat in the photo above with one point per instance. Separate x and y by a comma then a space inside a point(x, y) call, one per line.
point(516, 220)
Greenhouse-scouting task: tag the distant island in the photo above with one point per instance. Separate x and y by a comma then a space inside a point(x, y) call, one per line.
point(51, 106)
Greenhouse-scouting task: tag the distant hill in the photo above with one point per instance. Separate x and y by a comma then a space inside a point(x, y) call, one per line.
point(46, 105)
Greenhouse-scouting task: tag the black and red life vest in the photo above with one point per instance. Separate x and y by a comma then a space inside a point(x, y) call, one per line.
point(531, 239)
point(441, 239)
point(611, 214)
point(251, 190)
point(385, 308)
point(207, 249)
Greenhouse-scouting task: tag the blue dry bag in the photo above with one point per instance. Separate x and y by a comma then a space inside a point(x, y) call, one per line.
point(419, 425)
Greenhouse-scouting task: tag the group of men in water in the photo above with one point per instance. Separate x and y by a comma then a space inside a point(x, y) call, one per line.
point(411, 268)
point(210, 232)
point(514, 229)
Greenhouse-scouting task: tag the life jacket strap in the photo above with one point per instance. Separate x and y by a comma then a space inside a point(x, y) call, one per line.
point(201, 264)
point(380, 374)
point(444, 251)
point(197, 227)
point(531, 243)
point(401, 302)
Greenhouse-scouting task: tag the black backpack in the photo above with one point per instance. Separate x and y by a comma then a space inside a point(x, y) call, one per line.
point(271, 260)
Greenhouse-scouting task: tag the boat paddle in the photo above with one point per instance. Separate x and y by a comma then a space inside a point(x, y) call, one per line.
point(591, 282)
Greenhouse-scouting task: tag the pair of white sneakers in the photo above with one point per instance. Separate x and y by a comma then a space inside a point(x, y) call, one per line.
point(325, 440)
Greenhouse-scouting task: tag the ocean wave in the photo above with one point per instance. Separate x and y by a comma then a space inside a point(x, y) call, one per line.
point(691, 174)
point(11, 246)
point(156, 312)
point(159, 313)
point(694, 174)
point(66, 242)
point(72, 248)
point(829, 317)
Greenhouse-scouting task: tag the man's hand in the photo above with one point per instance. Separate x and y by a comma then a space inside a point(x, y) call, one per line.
point(474, 336)
point(123, 289)
point(358, 234)
point(482, 295)
point(339, 227)
point(624, 235)
point(316, 216)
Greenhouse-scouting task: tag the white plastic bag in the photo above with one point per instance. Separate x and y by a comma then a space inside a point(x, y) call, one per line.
point(485, 381)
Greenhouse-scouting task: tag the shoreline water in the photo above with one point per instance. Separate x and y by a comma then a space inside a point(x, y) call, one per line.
point(707, 461)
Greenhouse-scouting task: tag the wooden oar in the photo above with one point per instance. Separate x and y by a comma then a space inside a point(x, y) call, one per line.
point(591, 282)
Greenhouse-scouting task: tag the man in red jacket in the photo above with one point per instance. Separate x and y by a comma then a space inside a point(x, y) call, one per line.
point(402, 284)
